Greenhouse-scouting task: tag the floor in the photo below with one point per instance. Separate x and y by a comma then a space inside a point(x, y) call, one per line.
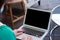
point(55, 34)
point(40, 7)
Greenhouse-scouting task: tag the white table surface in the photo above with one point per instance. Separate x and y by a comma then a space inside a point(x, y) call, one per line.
point(56, 18)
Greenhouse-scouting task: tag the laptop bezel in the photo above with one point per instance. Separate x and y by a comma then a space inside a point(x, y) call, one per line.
point(36, 28)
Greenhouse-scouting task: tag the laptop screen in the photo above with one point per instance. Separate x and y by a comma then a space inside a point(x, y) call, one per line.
point(37, 18)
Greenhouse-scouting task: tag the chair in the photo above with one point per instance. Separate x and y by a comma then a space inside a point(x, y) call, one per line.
point(10, 17)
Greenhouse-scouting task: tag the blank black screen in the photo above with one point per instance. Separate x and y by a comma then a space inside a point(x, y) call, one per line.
point(37, 18)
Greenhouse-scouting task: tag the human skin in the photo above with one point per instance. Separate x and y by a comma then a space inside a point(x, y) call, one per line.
point(19, 32)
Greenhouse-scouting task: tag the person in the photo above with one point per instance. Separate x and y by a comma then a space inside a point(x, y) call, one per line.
point(6, 33)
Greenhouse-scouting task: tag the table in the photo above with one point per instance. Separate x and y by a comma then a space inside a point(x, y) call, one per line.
point(56, 18)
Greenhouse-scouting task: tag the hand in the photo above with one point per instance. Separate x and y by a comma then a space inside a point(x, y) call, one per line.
point(27, 38)
point(18, 32)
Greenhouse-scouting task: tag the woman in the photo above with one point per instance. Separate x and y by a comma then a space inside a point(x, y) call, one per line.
point(7, 33)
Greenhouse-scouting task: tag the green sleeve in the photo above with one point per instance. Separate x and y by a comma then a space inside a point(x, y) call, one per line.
point(6, 33)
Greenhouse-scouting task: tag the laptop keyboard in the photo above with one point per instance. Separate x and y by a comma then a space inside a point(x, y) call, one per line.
point(32, 32)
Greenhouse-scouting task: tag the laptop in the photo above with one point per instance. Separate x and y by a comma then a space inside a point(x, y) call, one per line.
point(36, 23)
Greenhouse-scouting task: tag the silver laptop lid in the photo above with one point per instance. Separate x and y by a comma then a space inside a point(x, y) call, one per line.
point(37, 18)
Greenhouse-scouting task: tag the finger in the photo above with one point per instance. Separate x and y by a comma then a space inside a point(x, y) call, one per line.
point(20, 30)
point(24, 38)
point(29, 38)
point(20, 33)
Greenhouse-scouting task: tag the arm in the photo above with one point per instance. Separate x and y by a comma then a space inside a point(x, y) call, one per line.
point(19, 32)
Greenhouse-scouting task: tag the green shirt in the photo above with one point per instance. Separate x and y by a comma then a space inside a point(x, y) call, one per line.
point(6, 33)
